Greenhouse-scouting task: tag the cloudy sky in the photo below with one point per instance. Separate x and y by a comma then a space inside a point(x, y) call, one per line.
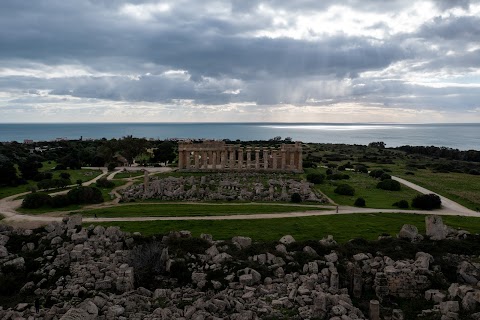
point(239, 60)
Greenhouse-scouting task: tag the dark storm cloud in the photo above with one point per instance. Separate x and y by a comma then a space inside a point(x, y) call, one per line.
point(224, 58)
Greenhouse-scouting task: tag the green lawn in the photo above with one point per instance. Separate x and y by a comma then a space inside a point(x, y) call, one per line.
point(128, 174)
point(83, 174)
point(46, 209)
point(342, 227)
point(365, 187)
point(460, 187)
point(106, 191)
point(187, 209)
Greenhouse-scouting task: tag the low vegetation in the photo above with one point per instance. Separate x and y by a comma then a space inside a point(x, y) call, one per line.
point(190, 209)
point(343, 227)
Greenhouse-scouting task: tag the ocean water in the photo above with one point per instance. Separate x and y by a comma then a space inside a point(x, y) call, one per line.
point(458, 136)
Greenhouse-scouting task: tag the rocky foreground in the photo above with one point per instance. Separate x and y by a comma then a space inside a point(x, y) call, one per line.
point(103, 273)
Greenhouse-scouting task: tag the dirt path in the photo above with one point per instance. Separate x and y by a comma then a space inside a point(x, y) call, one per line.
point(8, 206)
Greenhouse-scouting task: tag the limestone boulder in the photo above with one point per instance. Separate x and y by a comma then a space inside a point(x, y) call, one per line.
point(410, 232)
point(242, 242)
point(435, 229)
point(287, 239)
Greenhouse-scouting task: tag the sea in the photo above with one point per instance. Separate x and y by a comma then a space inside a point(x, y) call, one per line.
point(465, 136)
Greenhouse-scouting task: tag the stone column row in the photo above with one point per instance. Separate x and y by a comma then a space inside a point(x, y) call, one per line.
point(264, 158)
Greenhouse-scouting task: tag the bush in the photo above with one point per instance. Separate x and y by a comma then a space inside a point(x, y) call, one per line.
point(389, 184)
point(474, 172)
point(296, 198)
point(60, 167)
point(377, 173)
point(42, 176)
point(309, 164)
point(104, 183)
point(65, 175)
point(60, 201)
point(329, 171)
point(338, 176)
point(385, 176)
point(427, 202)
point(111, 166)
point(36, 200)
point(315, 178)
point(360, 202)
point(402, 204)
point(345, 189)
point(85, 195)
point(361, 168)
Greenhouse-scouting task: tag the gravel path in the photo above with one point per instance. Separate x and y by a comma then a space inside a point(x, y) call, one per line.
point(8, 206)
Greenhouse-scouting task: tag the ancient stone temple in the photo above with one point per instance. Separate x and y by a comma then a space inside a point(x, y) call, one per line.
point(217, 155)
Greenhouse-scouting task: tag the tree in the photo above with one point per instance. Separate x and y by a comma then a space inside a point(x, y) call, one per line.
point(389, 184)
point(296, 198)
point(360, 202)
point(427, 202)
point(378, 145)
point(345, 189)
point(29, 168)
point(8, 173)
point(165, 152)
point(315, 178)
point(35, 200)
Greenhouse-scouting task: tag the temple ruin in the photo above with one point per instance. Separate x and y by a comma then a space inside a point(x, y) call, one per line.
point(217, 155)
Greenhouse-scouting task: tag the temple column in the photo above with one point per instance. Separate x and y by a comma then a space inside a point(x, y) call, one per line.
point(292, 160)
point(214, 160)
point(240, 159)
point(180, 159)
point(274, 159)
point(284, 159)
point(265, 159)
point(257, 159)
point(197, 159)
point(249, 158)
point(232, 159)
point(223, 160)
point(300, 160)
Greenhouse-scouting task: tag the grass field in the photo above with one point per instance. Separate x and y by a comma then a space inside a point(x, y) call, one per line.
point(186, 209)
point(83, 174)
point(45, 209)
point(128, 174)
point(342, 227)
point(460, 187)
point(365, 187)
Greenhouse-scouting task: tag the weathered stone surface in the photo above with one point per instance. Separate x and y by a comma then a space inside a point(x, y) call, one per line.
point(242, 242)
point(410, 232)
point(435, 229)
point(287, 239)
point(17, 263)
point(3, 251)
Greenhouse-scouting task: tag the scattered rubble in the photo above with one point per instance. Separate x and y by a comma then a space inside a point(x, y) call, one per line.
point(104, 273)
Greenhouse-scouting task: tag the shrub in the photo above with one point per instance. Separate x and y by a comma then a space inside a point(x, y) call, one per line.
point(315, 178)
point(389, 184)
point(42, 176)
point(329, 171)
point(474, 172)
point(377, 173)
point(60, 167)
point(360, 202)
point(65, 175)
point(402, 204)
point(338, 176)
point(60, 201)
point(309, 164)
point(361, 168)
point(427, 202)
point(345, 189)
point(111, 166)
point(385, 176)
point(104, 183)
point(410, 173)
point(84, 195)
point(296, 198)
point(35, 200)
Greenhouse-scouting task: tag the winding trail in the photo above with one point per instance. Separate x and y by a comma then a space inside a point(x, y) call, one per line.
point(8, 207)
